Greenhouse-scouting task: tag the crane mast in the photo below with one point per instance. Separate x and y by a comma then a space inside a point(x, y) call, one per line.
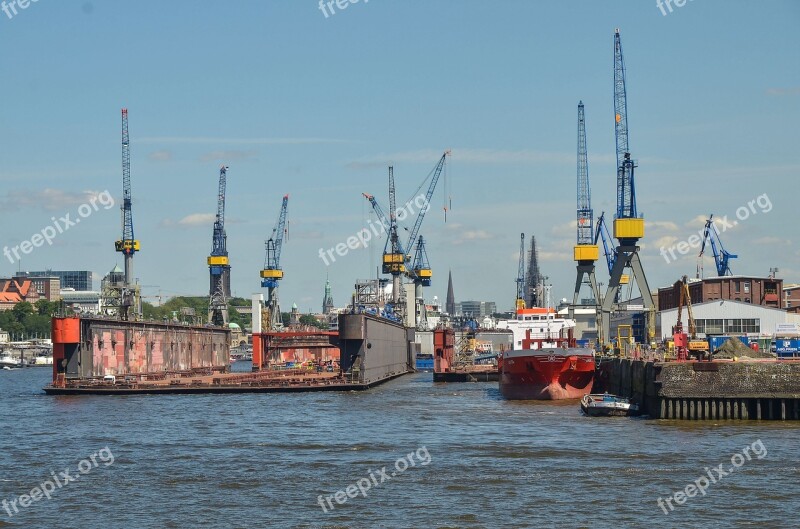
point(218, 264)
point(272, 272)
point(520, 303)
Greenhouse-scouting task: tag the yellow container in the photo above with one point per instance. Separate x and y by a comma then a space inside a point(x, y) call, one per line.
point(628, 228)
point(424, 272)
point(586, 252)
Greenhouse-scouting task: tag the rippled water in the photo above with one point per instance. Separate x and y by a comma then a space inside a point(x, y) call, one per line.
point(260, 460)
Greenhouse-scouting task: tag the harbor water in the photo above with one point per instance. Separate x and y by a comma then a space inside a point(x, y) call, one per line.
point(456, 456)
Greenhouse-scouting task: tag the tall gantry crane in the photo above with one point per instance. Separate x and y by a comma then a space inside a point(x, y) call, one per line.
point(128, 295)
point(586, 251)
point(218, 266)
point(628, 225)
point(721, 255)
point(272, 272)
point(394, 257)
point(520, 303)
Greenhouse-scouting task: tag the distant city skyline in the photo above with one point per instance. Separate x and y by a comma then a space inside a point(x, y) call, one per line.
point(318, 106)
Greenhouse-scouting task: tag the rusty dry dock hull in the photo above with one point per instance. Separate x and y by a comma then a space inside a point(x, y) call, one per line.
point(196, 389)
point(86, 349)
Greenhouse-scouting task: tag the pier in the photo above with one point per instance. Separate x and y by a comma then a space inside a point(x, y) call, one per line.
point(702, 390)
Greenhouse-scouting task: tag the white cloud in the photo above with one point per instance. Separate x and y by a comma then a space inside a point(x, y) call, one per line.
point(793, 91)
point(197, 219)
point(241, 141)
point(160, 156)
point(48, 199)
point(227, 156)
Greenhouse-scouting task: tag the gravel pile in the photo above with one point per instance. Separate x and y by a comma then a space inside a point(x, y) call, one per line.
point(733, 347)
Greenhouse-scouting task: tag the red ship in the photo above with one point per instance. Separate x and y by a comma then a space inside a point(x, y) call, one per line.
point(544, 363)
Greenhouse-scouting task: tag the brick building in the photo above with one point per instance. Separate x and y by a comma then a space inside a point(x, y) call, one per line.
point(764, 291)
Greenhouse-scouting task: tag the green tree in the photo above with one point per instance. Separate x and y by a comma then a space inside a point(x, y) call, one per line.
point(308, 319)
point(21, 310)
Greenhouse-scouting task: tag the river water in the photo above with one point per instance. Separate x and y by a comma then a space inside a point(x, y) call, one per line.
point(455, 456)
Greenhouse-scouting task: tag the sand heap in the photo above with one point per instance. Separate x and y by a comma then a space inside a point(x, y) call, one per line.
point(733, 347)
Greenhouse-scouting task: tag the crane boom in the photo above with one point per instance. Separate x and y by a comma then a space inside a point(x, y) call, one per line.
point(279, 230)
point(437, 171)
point(721, 256)
point(219, 241)
point(626, 191)
point(585, 213)
point(127, 223)
point(602, 233)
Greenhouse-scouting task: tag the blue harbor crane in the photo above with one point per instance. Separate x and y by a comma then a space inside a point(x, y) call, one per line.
point(520, 303)
point(628, 225)
point(721, 255)
point(586, 252)
point(417, 269)
point(272, 272)
point(127, 294)
point(218, 265)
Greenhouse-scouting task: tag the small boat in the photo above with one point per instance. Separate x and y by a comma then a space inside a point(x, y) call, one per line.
point(607, 405)
point(6, 360)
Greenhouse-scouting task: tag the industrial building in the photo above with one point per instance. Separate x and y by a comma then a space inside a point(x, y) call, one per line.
point(83, 301)
point(723, 317)
point(764, 291)
point(791, 298)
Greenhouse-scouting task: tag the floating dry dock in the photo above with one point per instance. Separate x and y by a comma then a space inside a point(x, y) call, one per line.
point(105, 357)
point(751, 389)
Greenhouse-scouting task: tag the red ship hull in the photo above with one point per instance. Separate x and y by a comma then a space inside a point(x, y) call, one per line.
point(546, 374)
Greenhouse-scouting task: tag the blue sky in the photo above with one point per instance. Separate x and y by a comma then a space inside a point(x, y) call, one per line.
point(294, 102)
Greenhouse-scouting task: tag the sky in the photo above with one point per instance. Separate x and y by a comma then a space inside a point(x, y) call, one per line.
point(317, 105)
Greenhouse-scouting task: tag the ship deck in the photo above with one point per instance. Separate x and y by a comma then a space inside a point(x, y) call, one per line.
point(278, 381)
